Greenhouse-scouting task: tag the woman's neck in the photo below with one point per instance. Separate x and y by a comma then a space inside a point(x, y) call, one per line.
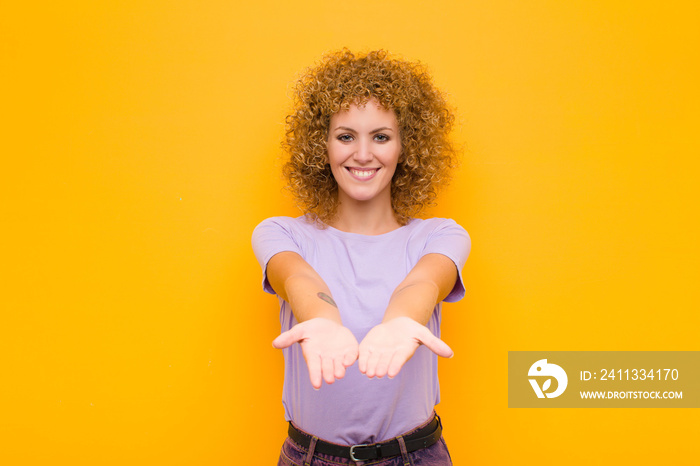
point(365, 218)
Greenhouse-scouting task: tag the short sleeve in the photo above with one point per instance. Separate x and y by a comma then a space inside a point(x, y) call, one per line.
point(451, 240)
point(272, 236)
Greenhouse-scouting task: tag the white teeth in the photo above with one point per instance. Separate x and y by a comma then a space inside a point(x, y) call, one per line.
point(363, 173)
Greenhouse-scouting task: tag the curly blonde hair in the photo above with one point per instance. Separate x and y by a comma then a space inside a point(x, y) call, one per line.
point(342, 79)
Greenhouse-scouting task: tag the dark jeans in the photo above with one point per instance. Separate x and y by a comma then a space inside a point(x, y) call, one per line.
point(295, 455)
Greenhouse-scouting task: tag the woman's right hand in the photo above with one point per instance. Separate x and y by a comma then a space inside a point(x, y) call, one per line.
point(328, 348)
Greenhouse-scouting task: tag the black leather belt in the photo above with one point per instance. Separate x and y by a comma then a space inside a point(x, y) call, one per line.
point(422, 438)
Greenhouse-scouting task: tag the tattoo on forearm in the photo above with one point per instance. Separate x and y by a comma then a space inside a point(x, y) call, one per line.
point(327, 299)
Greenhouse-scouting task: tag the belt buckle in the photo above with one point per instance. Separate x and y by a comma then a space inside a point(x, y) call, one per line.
point(352, 451)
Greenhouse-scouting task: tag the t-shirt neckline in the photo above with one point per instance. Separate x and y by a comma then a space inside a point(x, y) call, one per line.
point(379, 237)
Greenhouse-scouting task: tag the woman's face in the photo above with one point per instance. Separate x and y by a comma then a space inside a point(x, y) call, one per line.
point(363, 150)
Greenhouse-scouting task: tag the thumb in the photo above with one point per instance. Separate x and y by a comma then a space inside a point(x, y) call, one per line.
point(435, 344)
point(288, 338)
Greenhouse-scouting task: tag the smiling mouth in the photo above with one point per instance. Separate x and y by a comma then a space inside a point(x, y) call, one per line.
point(362, 173)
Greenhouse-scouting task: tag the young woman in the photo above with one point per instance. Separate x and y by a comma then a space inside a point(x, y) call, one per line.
point(360, 279)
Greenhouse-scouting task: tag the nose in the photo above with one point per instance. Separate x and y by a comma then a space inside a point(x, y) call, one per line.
point(363, 154)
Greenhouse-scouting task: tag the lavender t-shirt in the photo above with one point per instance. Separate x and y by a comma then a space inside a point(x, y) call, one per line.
point(361, 272)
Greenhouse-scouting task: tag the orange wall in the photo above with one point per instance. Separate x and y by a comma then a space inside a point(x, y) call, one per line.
point(140, 148)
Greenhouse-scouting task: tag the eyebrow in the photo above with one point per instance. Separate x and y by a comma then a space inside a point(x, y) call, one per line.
point(345, 128)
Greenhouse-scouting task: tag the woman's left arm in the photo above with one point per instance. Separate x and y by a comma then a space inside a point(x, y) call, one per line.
point(388, 346)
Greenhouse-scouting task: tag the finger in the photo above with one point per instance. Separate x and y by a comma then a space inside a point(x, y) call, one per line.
point(362, 359)
point(372, 361)
point(350, 357)
point(338, 368)
point(327, 369)
point(288, 338)
point(314, 364)
point(383, 364)
point(397, 362)
point(435, 344)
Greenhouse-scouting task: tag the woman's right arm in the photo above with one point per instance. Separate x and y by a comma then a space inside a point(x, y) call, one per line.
point(327, 345)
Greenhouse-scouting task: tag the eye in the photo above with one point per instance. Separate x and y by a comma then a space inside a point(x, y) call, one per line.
point(345, 137)
point(381, 137)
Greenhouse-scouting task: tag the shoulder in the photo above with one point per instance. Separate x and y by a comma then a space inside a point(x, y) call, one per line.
point(289, 225)
point(447, 237)
point(290, 233)
point(277, 234)
point(436, 226)
point(280, 221)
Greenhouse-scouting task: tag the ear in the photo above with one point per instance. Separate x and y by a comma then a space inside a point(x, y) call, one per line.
point(402, 155)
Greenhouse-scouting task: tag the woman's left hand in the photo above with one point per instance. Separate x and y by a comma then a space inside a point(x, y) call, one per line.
point(387, 347)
